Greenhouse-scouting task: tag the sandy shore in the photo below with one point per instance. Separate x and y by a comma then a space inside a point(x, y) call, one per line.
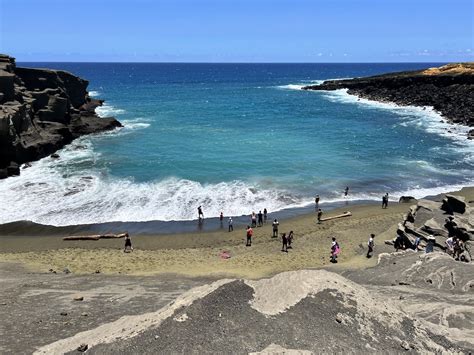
point(198, 254)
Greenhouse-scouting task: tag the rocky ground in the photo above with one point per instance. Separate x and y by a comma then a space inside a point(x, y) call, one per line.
point(448, 89)
point(42, 110)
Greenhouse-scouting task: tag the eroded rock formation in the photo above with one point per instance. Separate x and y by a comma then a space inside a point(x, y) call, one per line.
point(42, 110)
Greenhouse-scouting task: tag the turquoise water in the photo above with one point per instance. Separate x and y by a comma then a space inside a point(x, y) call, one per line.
point(235, 138)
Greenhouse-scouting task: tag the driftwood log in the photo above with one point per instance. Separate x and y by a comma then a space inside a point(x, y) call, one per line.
point(95, 237)
point(345, 214)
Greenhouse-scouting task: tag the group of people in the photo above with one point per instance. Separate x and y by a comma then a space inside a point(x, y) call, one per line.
point(455, 247)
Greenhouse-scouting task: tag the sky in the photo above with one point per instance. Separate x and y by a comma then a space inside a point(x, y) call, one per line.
point(238, 30)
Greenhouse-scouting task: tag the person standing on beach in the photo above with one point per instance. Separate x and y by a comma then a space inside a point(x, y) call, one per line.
point(249, 236)
point(284, 240)
point(370, 246)
point(221, 217)
point(334, 250)
point(231, 224)
point(290, 240)
point(128, 244)
point(200, 214)
point(260, 218)
point(265, 213)
point(320, 215)
point(254, 220)
point(346, 191)
point(275, 228)
point(385, 200)
point(316, 201)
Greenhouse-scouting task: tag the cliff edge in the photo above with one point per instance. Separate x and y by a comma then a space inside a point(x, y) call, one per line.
point(449, 89)
point(41, 111)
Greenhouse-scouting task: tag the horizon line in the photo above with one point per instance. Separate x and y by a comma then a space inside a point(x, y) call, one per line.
point(184, 62)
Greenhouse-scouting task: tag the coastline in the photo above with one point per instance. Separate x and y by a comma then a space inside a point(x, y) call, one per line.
point(198, 254)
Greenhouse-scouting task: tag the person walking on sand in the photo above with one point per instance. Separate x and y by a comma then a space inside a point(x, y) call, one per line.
point(370, 246)
point(128, 244)
point(284, 241)
point(231, 224)
point(335, 249)
point(249, 236)
point(346, 191)
point(260, 218)
point(290, 240)
point(265, 213)
point(275, 228)
point(200, 214)
point(316, 201)
point(320, 215)
point(385, 200)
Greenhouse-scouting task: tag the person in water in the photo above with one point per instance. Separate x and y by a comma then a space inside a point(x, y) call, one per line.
point(335, 250)
point(260, 218)
point(265, 213)
point(316, 201)
point(200, 213)
point(221, 217)
point(346, 191)
point(370, 245)
point(275, 228)
point(290, 240)
point(231, 224)
point(128, 244)
point(320, 215)
point(249, 236)
point(284, 241)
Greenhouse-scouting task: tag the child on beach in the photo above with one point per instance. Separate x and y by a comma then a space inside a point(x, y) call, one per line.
point(275, 228)
point(254, 220)
point(320, 215)
point(284, 241)
point(231, 224)
point(128, 244)
point(335, 250)
point(370, 246)
point(290, 240)
point(249, 236)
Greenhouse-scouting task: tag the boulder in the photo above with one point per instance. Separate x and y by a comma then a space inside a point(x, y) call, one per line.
point(7, 86)
point(3, 173)
point(13, 169)
point(429, 205)
point(454, 204)
point(406, 199)
point(431, 226)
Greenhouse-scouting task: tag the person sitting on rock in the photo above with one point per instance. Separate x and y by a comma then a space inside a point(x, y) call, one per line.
point(417, 243)
point(128, 244)
point(450, 246)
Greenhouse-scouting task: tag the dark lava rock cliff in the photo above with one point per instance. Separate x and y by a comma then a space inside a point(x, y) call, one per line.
point(42, 110)
point(448, 89)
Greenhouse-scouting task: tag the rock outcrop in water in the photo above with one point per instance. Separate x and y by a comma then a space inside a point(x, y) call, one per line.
point(448, 89)
point(41, 111)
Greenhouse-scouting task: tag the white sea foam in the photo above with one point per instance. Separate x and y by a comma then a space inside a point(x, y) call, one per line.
point(425, 118)
point(53, 192)
point(292, 86)
point(94, 93)
point(107, 110)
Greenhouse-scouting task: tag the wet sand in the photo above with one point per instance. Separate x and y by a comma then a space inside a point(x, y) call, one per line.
point(198, 254)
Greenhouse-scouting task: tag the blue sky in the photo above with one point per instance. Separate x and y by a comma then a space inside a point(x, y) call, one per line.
point(238, 30)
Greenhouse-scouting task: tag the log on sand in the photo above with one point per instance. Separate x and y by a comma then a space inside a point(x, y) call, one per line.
point(95, 237)
point(345, 214)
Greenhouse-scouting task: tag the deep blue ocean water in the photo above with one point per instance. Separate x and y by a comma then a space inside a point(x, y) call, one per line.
point(235, 138)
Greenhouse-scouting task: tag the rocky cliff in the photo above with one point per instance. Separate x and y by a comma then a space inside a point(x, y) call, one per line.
point(41, 111)
point(448, 89)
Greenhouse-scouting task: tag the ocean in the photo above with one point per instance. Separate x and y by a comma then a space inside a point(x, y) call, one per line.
point(235, 138)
